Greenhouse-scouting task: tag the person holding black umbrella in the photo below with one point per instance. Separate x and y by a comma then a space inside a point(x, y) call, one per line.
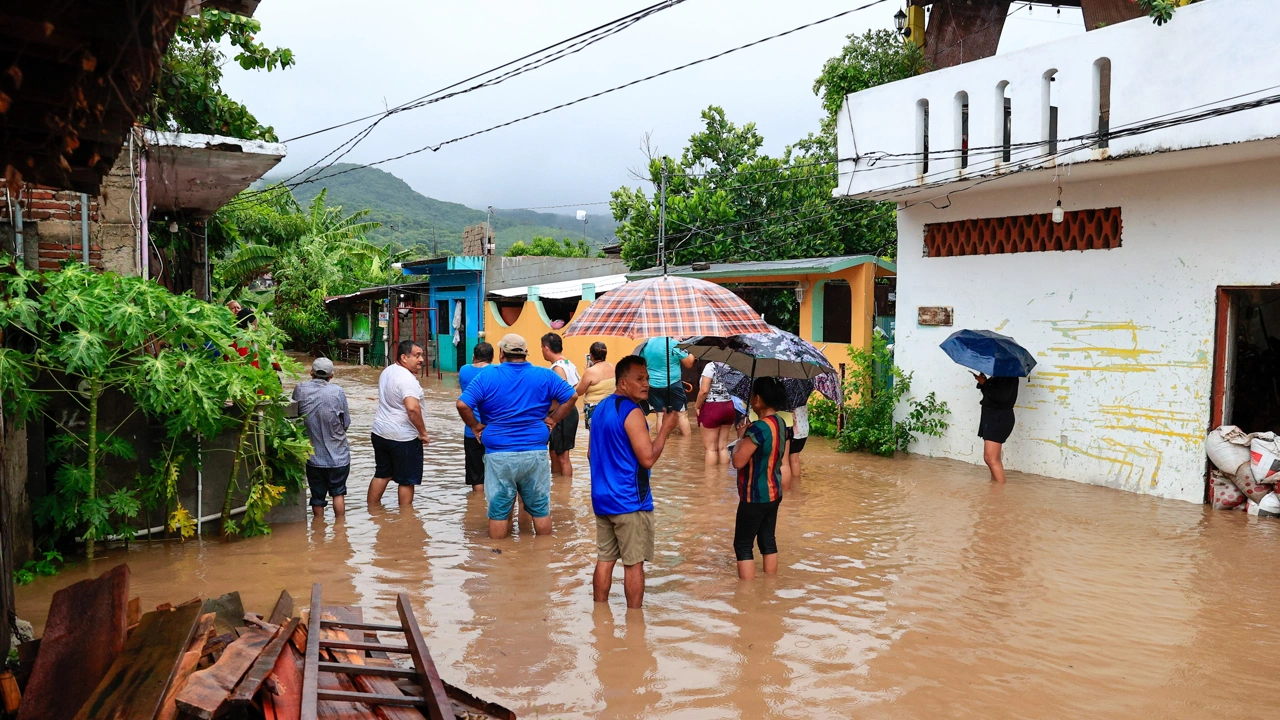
point(998, 397)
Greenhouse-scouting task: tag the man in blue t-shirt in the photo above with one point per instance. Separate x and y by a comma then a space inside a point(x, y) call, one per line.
point(621, 455)
point(515, 400)
point(473, 451)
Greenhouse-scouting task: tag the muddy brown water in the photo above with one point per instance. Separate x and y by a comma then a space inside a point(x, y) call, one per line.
point(909, 588)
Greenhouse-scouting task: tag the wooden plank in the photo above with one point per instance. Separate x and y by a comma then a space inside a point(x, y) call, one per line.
point(397, 700)
point(311, 669)
point(471, 704)
point(134, 686)
point(248, 687)
point(230, 612)
point(208, 689)
point(255, 620)
point(85, 632)
point(186, 666)
point(358, 645)
point(438, 705)
point(376, 689)
point(134, 613)
point(285, 697)
point(283, 610)
point(374, 670)
point(373, 627)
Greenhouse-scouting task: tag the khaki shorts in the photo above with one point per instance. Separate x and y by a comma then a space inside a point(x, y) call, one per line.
point(627, 537)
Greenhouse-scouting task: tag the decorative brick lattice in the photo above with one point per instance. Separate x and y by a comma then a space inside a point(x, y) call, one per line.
point(1098, 229)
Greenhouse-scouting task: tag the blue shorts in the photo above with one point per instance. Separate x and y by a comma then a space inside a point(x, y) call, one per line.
point(673, 398)
point(508, 473)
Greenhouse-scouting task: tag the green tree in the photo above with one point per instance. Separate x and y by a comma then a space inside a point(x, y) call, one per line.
point(550, 247)
point(188, 93)
point(311, 253)
point(877, 57)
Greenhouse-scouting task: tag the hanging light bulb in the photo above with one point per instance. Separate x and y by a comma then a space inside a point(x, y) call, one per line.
point(173, 226)
point(1058, 213)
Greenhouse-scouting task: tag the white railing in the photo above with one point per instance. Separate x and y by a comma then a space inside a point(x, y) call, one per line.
point(1126, 90)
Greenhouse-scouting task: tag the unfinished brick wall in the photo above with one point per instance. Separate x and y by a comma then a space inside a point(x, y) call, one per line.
point(51, 226)
point(1097, 229)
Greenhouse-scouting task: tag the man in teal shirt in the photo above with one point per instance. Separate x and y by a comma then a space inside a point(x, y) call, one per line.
point(666, 391)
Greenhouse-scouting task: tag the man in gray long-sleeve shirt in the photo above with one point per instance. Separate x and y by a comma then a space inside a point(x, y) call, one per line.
point(323, 407)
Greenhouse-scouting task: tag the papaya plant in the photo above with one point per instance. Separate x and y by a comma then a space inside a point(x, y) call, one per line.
point(76, 337)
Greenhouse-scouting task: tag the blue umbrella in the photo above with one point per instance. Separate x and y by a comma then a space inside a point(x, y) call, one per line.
point(989, 353)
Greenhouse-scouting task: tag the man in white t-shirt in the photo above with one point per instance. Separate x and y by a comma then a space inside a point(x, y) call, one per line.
point(399, 431)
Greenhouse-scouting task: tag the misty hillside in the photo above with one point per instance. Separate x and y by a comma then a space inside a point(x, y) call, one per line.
point(408, 217)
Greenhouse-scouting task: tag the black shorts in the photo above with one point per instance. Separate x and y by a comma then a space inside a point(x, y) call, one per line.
point(400, 460)
point(474, 453)
point(756, 523)
point(564, 435)
point(325, 481)
point(995, 425)
point(658, 398)
point(797, 445)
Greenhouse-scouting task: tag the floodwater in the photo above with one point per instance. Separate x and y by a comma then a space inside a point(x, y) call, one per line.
point(909, 588)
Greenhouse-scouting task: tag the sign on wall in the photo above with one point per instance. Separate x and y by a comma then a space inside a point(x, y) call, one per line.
point(936, 316)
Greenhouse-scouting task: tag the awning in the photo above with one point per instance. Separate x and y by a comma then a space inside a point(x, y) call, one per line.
point(568, 288)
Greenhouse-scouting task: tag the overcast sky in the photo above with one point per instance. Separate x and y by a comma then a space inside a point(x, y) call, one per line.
point(357, 58)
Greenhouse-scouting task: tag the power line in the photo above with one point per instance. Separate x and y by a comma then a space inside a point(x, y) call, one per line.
point(436, 147)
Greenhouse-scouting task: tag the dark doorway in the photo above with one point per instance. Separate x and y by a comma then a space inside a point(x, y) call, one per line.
point(461, 309)
point(837, 312)
point(1247, 355)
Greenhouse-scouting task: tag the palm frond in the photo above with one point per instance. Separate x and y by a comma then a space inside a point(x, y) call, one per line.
point(247, 263)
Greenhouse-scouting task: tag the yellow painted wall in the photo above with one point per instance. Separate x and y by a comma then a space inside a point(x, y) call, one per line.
point(531, 325)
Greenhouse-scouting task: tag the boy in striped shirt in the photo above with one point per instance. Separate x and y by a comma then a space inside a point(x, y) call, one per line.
point(761, 460)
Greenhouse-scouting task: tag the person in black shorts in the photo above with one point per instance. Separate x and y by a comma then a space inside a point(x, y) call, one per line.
point(473, 450)
point(999, 394)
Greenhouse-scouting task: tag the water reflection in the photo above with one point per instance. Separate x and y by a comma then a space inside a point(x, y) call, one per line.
point(909, 588)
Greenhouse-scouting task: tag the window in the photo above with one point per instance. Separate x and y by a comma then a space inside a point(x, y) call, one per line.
point(1102, 102)
point(922, 135)
point(1004, 120)
point(1080, 230)
point(837, 312)
point(962, 130)
point(1050, 121)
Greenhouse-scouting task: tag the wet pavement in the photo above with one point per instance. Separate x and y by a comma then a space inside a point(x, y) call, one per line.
point(909, 588)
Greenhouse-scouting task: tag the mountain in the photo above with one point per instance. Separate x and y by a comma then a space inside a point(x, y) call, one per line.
point(410, 218)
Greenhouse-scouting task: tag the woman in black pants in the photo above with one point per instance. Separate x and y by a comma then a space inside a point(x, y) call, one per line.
point(761, 460)
point(998, 397)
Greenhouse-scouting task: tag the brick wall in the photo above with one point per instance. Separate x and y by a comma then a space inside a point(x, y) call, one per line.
point(51, 225)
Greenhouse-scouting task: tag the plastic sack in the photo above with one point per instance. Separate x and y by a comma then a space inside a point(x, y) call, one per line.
point(1223, 494)
point(1264, 457)
point(1251, 488)
point(1228, 448)
point(1269, 505)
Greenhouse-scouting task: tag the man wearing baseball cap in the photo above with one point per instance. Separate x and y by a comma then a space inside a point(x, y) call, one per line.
point(515, 398)
point(323, 407)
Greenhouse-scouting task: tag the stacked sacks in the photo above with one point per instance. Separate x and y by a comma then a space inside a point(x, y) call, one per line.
point(1250, 461)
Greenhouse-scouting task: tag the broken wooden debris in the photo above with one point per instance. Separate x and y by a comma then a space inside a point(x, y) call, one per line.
point(208, 689)
point(83, 636)
point(187, 665)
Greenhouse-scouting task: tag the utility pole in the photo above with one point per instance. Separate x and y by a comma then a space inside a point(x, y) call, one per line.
point(435, 244)
point(662, 219)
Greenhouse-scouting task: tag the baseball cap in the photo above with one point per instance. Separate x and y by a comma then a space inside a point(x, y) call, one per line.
point(322, 367)
point(513, 344)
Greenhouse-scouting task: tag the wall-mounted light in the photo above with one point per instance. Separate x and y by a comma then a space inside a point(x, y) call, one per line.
point(799, 291)
point(900, 23)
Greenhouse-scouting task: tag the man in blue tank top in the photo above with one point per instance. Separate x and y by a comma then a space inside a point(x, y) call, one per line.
point(621, 455)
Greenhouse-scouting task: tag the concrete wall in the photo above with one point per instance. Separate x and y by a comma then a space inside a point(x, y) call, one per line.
point(1216, 65)
point(1124, 337)
point(511, 272)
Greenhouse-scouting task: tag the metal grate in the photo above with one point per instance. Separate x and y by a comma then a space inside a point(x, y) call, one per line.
point(1098, 229)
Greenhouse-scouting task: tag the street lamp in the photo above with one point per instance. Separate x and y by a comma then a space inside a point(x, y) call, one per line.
point(582, 215)
point(900, 23)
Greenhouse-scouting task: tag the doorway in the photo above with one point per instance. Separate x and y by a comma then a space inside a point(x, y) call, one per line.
point(460, 307)
point(1246, 385)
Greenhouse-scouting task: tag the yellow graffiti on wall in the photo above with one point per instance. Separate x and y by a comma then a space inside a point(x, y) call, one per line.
point(1128, 463)
point(1152, 421)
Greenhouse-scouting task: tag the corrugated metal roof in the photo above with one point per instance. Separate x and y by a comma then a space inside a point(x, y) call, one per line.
point(379, 291)
point(801, 266)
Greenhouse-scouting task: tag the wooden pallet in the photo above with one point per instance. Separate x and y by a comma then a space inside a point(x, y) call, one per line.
point(433, 697)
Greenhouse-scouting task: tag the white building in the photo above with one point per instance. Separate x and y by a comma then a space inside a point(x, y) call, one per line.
point(1165, 145)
